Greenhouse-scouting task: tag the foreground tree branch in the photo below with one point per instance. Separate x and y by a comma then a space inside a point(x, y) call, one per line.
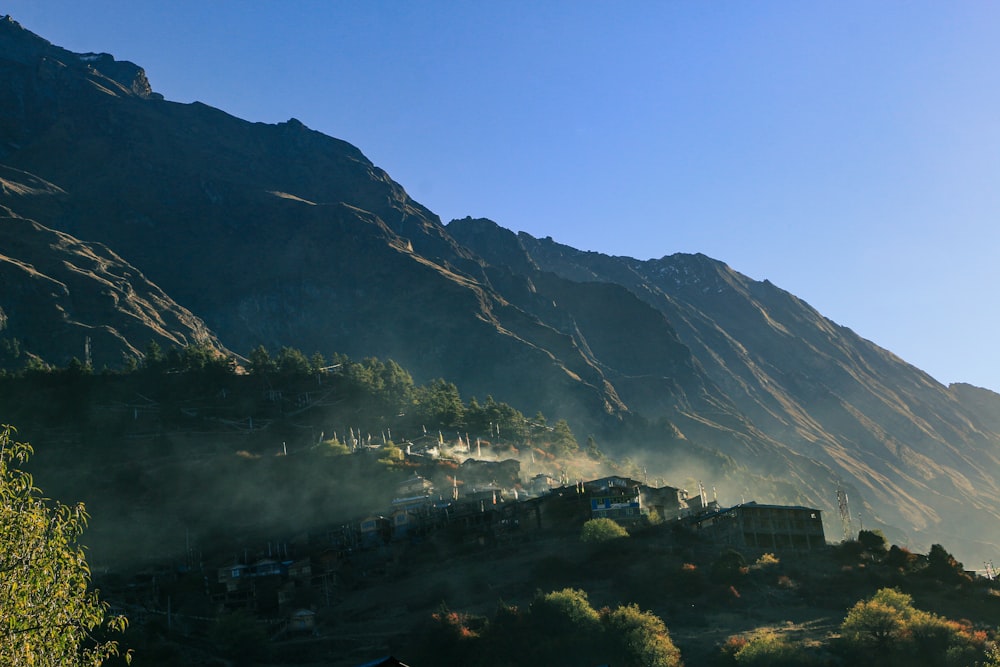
point(47, 612)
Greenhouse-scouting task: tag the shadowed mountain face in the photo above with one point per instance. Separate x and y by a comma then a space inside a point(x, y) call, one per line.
point(280, 235)
point(273, 234)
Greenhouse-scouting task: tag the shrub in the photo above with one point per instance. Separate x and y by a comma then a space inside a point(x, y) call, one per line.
point(641, 638)
point(334, 447)
point(889, 624)
point(766, 560)
point(767, 648)
point(900, 558)
point(873, 541)
point(877, 622)
point(601, 530)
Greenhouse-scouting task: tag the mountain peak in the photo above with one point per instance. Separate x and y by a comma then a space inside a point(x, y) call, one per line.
point(117, 77)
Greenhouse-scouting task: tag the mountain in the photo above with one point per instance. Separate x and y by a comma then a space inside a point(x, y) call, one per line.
point(282, 236)
point(63, 298)
point(273, 234)
point(923, 456)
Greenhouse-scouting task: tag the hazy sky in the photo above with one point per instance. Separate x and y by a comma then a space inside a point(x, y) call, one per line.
point(847, 151)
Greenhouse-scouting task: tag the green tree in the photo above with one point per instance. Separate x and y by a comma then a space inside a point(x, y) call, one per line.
point(601, 530)
point(396, 388)
point(563, 441)
point(317, 362)
point(538, 428)
point(878, 621)
point(153, 359)
point(568, 610)
point(874, 542)
point(565, 629)
point(48, 613)
point(900, 558)
point(593, 451)
point(901, 634)
point(942, 566)
point(639, 638)
point(203, 358)
point(76, 368)
point(261, 362)
point(767, 648)
point(993, 656)
point(391, 455)
point(495, 420)
point(292, 363)
point(440, 405)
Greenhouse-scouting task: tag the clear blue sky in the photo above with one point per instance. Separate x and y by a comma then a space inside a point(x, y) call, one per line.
point(847, 151)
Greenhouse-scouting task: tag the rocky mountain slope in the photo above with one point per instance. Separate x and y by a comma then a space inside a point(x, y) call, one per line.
point(280, 235)
point(274, 235)
point(62, 298)
point(923, 456)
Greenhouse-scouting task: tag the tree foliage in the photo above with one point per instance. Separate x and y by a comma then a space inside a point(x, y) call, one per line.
point(942, 566)
point(888, 625)
point(768, 648)
point(873, 541)
point(558, 628)
point(47, 613)
point(439, 403)
point(639, 638)
point(601, 530)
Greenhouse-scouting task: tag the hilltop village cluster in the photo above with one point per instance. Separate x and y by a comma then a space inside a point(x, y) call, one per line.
point(491, 508)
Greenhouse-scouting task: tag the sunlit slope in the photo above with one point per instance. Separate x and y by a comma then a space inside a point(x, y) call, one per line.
point(923, 455)
point(63, 298)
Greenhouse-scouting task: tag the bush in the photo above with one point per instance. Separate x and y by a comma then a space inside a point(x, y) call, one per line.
point(767, 648)
point(766, 560)
point(878, 622)
point(601, 530)
point(639, 638)
point(873, 541)
point(559, 628)
point(334, 447)
point(565, 629)
point(901, 634)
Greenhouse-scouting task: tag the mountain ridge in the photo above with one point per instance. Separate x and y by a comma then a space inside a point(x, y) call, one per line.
point(772, 353)
point(278, 235)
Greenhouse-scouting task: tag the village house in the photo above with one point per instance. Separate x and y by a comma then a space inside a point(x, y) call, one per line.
point(766, 527)
point(414, 486)
point(616, 498)
point(302, 621)
point(668, 502)
point(375, 530)
point(541, 483)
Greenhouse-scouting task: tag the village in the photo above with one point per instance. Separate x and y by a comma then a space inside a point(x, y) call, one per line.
point(482, 505)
